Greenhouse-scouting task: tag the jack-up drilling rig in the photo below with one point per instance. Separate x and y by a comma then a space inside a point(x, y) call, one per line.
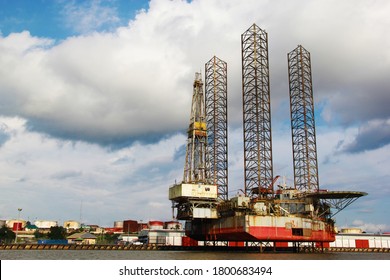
point(297, 214)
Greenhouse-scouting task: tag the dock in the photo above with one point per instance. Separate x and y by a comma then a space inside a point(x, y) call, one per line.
point(182, 248)
point(76, 247)
point(358, 250)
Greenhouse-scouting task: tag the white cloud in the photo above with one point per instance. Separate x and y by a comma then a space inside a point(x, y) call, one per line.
point(84, 17)
point(97, 87)
point(370, 227)
point(372, 135)
point(124, 85)
point(49, 174)
point(93, 87)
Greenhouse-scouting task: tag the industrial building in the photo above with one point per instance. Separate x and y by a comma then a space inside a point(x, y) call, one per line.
point(355, 238)
point(42, 224)
point(82, 238)
point(72, 225)
point(158, 232)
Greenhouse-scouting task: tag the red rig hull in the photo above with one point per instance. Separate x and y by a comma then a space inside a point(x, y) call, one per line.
point(261, 228)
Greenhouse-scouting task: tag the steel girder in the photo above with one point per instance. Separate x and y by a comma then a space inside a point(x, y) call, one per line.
point(302, 120)
point(217, 128)
point(256, 113)
point(195, 162)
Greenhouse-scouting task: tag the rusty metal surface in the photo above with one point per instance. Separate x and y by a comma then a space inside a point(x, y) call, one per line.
point(217, 127)
point(195, 162)
point(195, 197)
point(338, 200)
point(261, 228)
point(302, 120)
point(256, 113)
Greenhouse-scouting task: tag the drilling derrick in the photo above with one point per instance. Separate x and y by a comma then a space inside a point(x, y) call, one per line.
point(302, 121)
point(299, 214)
point(195, 164)
point(256, 114)
point(195, 197)
point(216, 118)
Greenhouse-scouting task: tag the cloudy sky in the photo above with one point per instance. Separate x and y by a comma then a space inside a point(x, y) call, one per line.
point(95, 100)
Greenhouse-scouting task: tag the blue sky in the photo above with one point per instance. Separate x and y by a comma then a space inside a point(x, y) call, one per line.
point(60, 19)
point(95, 100)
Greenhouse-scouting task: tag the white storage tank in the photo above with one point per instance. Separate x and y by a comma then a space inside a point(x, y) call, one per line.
point(156, 225)
point(351, 230)
point(118, 224)
point(72, 224)
point(173, 225)
point(14, 223)
point(45, 224)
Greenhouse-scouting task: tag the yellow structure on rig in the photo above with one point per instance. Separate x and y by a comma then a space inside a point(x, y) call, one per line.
point(195, 196)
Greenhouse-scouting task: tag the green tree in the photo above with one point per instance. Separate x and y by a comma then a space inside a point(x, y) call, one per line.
point(108, 238)
point(57, 233)
point(6, 235)
point(39, 235)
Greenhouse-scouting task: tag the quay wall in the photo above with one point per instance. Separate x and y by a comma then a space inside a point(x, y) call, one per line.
point(180, 248)
point(75, 247)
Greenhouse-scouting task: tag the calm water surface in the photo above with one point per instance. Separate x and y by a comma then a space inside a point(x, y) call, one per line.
point(179, 255)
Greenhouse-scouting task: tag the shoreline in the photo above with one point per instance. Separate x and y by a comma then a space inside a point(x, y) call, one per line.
point(186, 248)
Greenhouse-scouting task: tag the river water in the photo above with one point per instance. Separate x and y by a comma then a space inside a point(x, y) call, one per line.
point(188, 265)
point(180, 255)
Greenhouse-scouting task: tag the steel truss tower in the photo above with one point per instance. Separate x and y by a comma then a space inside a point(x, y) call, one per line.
point(195, 162)
point(257, 113)
point(216, 119)
point(302, 120)
point(195, 197)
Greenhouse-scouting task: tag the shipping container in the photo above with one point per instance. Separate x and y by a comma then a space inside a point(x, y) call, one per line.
point(362, 243)
point(188, 241)
point(236, 243)
point(17, 226)
point(281, 244)
point(53, 241)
